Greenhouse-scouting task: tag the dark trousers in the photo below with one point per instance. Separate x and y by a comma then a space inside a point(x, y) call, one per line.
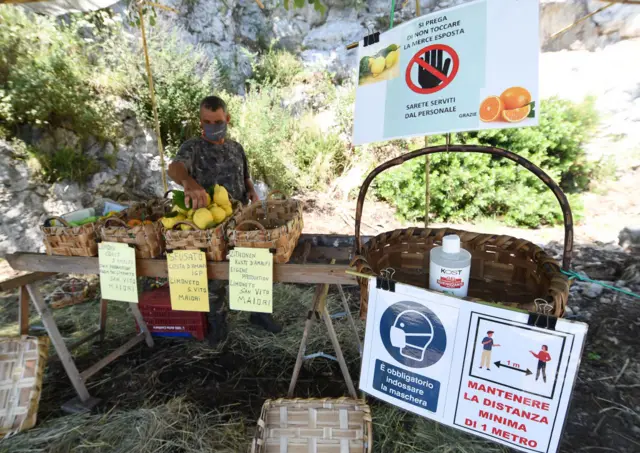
point(542, 366)
point(218, 307)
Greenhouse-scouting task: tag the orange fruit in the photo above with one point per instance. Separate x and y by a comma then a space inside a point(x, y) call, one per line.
point(516, 115)
point(515, 97)
point(134, 222)
point(490, 109)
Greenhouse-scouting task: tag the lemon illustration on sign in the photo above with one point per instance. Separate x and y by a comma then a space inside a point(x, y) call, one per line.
point(202, 217)
point(220, 195)
point(392, 58)
point(377, 66)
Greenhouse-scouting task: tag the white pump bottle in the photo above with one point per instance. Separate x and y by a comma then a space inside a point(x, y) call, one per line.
point(449, 267)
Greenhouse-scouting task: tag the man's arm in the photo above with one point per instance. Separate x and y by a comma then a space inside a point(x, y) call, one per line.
point(248, 184)
point(488, 341)
point(194, 195)
point(251, 190)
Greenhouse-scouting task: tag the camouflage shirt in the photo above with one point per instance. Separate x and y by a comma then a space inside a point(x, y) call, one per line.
point(209, 164)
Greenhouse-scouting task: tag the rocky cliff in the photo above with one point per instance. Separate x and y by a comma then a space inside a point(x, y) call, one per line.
point(575, 64)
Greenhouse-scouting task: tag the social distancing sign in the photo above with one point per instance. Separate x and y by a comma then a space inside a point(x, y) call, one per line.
point(475, 367)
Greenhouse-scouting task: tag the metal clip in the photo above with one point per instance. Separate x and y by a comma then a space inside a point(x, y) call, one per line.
point(542, 317)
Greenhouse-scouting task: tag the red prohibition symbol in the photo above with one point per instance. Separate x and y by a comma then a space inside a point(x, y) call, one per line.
point(437, 64)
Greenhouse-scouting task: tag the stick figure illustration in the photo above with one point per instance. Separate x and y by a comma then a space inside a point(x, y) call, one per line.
point(543, 357)
point(487, 345)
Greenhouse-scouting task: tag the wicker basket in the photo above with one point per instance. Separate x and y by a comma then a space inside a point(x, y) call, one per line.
point(272, 224)
point(213, 240)
point(509, 271)
point(147, 238)
point(341, 425)
point(68, 240)
point(72, 292)
point(22, 362)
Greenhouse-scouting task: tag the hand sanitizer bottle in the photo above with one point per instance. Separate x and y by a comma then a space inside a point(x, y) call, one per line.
point(449, 267)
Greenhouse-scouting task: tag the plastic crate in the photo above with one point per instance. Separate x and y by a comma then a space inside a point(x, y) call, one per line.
point(155, 306)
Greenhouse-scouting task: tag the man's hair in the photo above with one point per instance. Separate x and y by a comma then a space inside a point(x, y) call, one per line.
point(546, 348)
point(213, 103)
point(490, 332)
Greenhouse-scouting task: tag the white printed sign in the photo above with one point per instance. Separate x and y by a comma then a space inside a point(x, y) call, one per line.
point(466, 68)
point(475, 367)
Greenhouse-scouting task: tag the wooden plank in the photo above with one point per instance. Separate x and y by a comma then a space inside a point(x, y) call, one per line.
point(23, 313)
point(135, 311)
point(286, 273)
point(23, 279)
point(58, 343)
point(93, 369)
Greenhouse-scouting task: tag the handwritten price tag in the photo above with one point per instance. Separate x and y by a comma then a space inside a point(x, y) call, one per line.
point(188, 280)
point(251, 280)
point(118, 272)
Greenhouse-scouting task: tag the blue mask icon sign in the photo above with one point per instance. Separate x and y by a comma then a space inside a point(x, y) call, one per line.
point(412, 334)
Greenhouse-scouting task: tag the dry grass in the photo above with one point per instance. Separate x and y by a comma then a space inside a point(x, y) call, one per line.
point(167, 399)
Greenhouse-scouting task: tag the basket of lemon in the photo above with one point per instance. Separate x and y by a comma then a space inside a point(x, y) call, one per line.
point(200, 229)
point(140, 227)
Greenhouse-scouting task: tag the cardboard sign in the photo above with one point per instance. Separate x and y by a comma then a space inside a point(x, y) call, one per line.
point(251, 280)
point(188, 283)
point(475, 367)
point(118, 272)
point(457, 69)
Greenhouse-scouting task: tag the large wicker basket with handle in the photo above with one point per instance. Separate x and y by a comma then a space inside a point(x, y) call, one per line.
point(506, 270)
point(341, 425)
point(271, 224)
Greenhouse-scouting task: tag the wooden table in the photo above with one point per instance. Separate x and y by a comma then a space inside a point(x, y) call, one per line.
point(308, 265)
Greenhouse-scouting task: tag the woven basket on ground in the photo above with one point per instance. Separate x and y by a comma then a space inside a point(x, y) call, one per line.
point(68, 240)
point(213, 240)
point(512, 272)
point(22, 362)
point(341, 425)
point(271, 224)
point(147, 237)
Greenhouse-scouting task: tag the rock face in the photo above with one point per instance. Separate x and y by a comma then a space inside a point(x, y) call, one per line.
point(230, 30)
point(27, 202)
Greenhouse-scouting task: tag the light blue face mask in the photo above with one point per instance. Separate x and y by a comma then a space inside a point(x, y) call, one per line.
point(214, 132)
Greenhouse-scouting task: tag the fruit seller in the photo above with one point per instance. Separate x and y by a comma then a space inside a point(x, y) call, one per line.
point(201, 163)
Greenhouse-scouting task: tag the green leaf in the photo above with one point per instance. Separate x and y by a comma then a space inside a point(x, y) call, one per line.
point(319, 6)
point(298, 3)
point(286, 5)
point(178, 199)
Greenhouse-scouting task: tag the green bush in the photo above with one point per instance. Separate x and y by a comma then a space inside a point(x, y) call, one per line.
point(183, 76)
point(65, 163)
point(288, 153)
point(469, 186)
point(275, 68)
point(47, 79)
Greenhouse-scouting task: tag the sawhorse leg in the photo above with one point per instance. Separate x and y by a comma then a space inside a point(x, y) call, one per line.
point(23, 314)
point(86, 400)
point(320, 308)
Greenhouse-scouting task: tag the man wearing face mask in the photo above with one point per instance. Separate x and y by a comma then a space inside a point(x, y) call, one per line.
point(201, 163)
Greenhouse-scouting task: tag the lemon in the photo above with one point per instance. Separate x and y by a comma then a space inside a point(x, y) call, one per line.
point(178, 209)
point(218, 214)
point(377, 66)
point(170, 222)
point(392, 59)
point(185, 227)
point(190, 214)
point(220, 195)
point(202, 217)
point(228, 210)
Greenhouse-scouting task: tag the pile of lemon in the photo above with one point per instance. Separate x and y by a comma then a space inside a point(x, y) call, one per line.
point(216, 212)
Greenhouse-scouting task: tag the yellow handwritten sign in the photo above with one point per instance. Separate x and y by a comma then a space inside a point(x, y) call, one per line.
point(251, 280)
point(188, 280)
point(118, 272)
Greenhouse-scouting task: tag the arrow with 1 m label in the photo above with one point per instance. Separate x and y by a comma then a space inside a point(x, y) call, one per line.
point(499, 364)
